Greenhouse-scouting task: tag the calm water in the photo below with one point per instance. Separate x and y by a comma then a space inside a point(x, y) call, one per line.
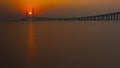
point(60, 45)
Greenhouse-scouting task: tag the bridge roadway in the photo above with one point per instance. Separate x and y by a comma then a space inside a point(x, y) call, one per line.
point(105, 17)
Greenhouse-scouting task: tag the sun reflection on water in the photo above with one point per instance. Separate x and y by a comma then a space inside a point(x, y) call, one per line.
point(31, 52)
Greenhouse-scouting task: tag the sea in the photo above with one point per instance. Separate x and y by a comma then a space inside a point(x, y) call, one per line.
point(44, 44)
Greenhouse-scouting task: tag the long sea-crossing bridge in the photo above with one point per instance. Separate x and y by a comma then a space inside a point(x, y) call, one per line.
point(104, 17)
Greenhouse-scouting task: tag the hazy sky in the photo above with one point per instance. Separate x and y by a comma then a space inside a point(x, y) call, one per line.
point(57, 8)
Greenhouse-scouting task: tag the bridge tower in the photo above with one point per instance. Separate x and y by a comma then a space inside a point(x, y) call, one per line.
point(33, 12)
point(30, 13)
point(27, 14)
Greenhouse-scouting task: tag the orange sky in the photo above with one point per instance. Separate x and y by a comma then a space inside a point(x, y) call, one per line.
point(60, 7)
point(27, 4)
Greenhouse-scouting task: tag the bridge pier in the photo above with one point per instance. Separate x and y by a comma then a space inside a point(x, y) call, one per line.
point(109, 17)
point(80, 18)
point(90, 18)
point(106, 17)
point(102, 17)
point(113, 17)
point(117, 16)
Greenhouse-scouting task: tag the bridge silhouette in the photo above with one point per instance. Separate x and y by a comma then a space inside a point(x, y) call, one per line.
point(104, 17)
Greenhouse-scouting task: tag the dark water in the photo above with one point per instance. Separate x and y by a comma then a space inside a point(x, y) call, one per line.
point(60, 45)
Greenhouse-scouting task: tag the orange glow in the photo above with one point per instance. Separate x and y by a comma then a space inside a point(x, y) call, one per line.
point(31, 52)
point(31, 41)
point(46, 5)
point(30, 13)
point(39, 5)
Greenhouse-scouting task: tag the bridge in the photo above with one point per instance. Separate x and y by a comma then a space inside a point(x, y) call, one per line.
point(105, 17)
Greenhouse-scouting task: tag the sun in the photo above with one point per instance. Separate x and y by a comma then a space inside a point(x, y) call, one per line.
point(30, 12)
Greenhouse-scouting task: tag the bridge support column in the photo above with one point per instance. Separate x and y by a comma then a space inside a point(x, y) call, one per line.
point(119, 16)
point(94, 18)
point(97, 18)
point(116, 17)
point(107, 17)
point(102, 17)
point(86, 18)
point(110, 17)
point(81, 19)
point(90, 18)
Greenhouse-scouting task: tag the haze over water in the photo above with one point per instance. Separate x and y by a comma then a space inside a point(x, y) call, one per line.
point(59, 44)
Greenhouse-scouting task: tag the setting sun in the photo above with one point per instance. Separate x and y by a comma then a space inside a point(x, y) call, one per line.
point(30, 13)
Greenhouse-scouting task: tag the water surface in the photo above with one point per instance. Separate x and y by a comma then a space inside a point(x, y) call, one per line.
point(60, 45)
